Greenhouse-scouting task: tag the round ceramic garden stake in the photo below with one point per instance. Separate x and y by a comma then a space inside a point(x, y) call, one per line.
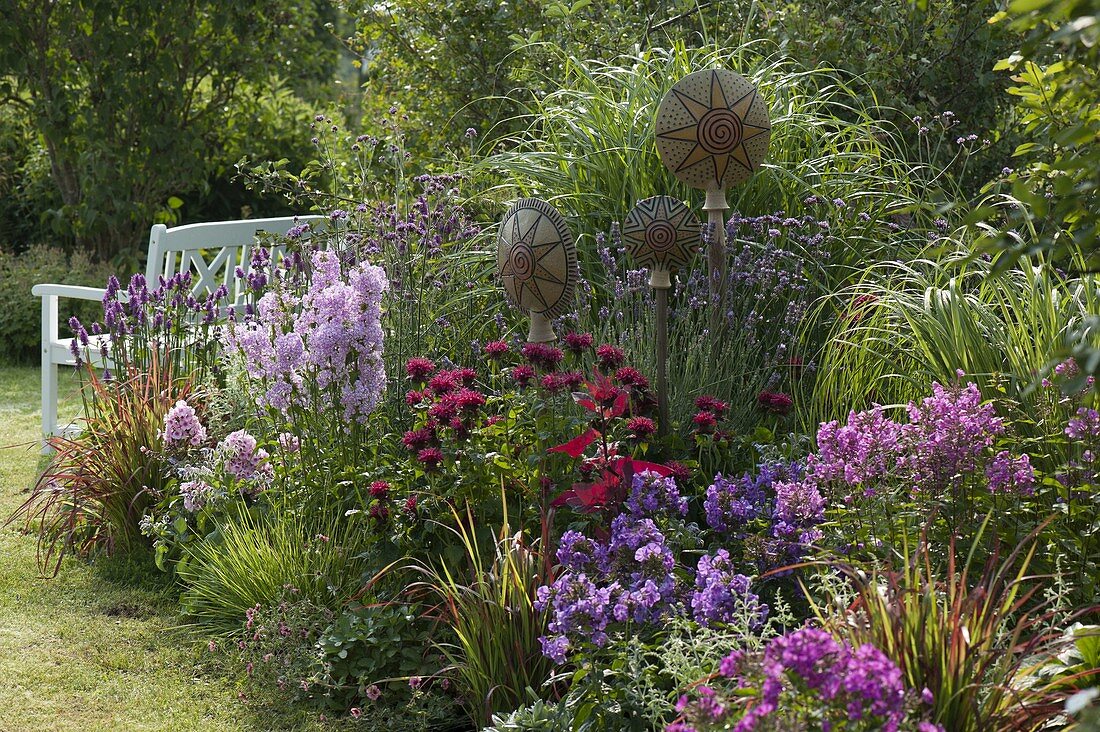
point(713, 132)
point(537, 263)
point(662, 234)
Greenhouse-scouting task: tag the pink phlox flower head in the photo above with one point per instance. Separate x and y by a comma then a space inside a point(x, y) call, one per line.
point(240, 455)
point(182, 426)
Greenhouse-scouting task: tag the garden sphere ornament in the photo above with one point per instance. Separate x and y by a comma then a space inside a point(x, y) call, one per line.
point(537, 263)
point(661, 233)
point(713, 132)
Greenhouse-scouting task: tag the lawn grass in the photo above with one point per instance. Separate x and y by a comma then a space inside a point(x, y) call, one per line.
point(98, 647)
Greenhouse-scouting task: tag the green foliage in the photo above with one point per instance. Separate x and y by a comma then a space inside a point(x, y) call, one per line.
point(254, 559)
point(915, 58)
point(380, 644)
point(21, 314)
point(128, 99)
point(1054, 201)
point(477, 59)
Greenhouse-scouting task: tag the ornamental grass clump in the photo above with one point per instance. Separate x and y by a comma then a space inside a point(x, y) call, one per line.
point(99, 483)
point(973, 636)
point(488, 605)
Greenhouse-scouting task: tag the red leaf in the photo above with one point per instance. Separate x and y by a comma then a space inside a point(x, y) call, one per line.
point(620, 405)
point(584, 400)
point(575, 447)
point(626, 467)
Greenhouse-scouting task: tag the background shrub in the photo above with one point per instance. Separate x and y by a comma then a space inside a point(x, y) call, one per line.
point(21, 314)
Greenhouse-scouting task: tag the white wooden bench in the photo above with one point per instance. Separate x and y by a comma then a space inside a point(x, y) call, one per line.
point(212, 252)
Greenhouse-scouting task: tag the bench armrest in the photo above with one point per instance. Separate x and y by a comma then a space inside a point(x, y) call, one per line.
point(74, 291)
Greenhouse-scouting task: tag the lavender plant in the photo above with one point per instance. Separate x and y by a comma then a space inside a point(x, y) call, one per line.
point(777, 268)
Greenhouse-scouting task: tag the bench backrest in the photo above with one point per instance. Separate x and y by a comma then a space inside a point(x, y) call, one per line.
point(213, 251)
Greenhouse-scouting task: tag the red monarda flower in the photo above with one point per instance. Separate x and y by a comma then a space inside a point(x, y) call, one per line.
point(444, 382)
point(379, 489)
point(417, 368)
point(640, 427)
point(552, 383)
point(542, 355)
point(469, 400)
point(417, 439)
point(495, 350)
point(523, 374)
point(379, 512)
point(572, 379)
point(610, 357)
point(578, 342)
point(410, 505)
point(413, 398)
point(775, 402)
point(711, 404)
point(704, 421)
point(630, 376)
point(680, 471)
point(444, 410)
point(431, 457)
point(466, 376)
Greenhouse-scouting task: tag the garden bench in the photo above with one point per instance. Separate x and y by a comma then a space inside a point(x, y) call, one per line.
point(211, 251)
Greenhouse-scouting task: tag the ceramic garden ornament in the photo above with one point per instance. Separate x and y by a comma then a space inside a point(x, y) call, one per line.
point(661, 233)
point(537, 263)
point(713, 132)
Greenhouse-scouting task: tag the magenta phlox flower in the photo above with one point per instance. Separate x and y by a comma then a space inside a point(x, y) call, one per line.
point(859, 452)
point(1009, 474)
point(1084, 425)
point(947, 435)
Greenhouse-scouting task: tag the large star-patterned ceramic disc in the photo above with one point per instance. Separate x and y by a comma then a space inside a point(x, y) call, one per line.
point(661, 233)
point(713, 129)
point(537, 257)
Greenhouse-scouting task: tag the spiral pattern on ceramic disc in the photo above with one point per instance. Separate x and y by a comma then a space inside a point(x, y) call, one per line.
point(523, 261)
point(720, 131)
point(660, 236)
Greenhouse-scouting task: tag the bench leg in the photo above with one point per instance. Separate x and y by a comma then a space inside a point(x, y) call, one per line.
point(49, 372)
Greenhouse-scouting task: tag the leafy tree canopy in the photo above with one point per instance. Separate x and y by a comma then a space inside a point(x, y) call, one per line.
point(128, 96)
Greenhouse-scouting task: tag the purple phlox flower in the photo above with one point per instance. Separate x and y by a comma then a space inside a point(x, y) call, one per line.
point(653, 495)
point(722, 595)
point(240, 456)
